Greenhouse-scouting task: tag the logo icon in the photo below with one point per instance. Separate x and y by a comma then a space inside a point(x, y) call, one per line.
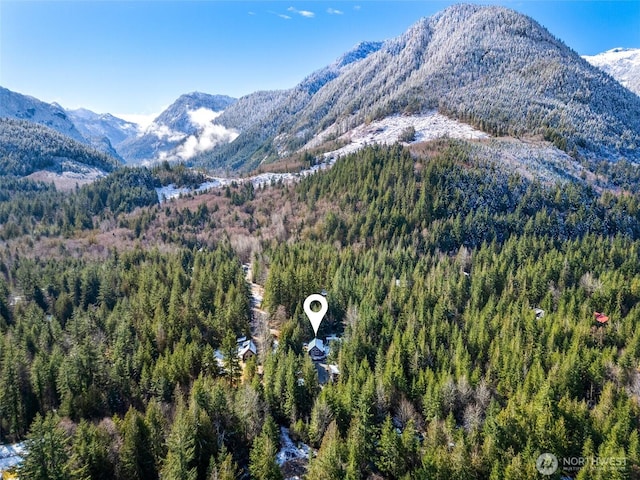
point(315, 317)
point(547, 463)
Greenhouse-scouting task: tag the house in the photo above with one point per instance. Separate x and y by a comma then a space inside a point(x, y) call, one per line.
point(334, 372)
point(601, 318)
point(219, 359)
point(316, 349)
point(246, 350)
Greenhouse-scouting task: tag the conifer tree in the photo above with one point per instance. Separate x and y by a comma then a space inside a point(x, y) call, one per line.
point(46, 444)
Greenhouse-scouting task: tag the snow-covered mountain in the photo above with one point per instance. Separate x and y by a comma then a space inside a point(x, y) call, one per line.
point(96, 126)
point(24, 107)
point(17, 106)
point(27, 147)
point(183, 130)
point(491, 67)
point(35, 135)
point(623, 64)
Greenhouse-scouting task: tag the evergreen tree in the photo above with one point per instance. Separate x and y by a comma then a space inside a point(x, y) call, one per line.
point(232, 366)
point(262, 463)
point(136, 458)
point(178, 464)
point(46, 444)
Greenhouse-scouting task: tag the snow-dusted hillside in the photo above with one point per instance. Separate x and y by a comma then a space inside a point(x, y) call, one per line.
point(24, 107)
point(392, 129)
point(491, 67)
point(623, 64)
point(183, 130)
point(101, 125)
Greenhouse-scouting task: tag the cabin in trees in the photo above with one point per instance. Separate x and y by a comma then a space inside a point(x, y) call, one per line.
point(246, 350)
point(334, 372)
point(601, 318)
point(316, 349)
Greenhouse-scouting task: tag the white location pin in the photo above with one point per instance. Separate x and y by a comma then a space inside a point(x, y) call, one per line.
point(315, 317)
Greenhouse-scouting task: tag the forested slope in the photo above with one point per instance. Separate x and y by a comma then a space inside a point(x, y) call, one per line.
point(488, 66)
point(26, 147)
point(433, 267)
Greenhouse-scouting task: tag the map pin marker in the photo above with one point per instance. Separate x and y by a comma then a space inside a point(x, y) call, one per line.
point(315, 317)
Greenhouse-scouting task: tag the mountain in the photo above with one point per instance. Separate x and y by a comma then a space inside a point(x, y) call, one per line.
point(180, 131)
point(24, 107)
point(623, 64)
point(491, 67)
point(259, 115)
point(96, 125)
point(27, 147)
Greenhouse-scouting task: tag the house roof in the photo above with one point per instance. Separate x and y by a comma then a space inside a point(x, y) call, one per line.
point(316, 342)
point(247, 346)
point(600, 317)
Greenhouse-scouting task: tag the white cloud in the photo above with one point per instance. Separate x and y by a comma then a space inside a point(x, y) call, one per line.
point(208, 137)
point(162, 131)
point(357, 7)
point(143, 121)
point(286, 17)
point(203, 116)
point(304, 13)
point(333, 11)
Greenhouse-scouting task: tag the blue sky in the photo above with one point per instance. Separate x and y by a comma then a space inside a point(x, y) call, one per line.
point(136, 57)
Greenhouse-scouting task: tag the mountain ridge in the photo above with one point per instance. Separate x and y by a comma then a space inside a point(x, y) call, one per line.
point(488, 66)
point(181, 124)
point(25, 107)
point(623, 64)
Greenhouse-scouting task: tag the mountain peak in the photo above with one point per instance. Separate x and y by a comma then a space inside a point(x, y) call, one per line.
point(623, 64)
point(358, 52)
point(25, 107)
point(491, 67)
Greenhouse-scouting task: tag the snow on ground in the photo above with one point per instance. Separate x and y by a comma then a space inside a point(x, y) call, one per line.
point(387, 131)
point(535, 160)
point(289, 450)
point(11, 455)
point(171, 191)
point(623, 64)
point(67, 174)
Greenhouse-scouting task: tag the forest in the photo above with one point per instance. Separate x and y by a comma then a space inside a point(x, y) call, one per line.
point(464, 296)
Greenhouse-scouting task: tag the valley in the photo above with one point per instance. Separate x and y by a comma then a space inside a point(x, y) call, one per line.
point(464, 200)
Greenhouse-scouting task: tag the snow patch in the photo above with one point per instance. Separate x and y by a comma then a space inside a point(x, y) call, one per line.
point(623, 64)
point(11, 455)
point(289, 450)
point(171, 191)
point(389, 130)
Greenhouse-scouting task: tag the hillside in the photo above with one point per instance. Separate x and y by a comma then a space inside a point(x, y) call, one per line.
point(26, 147)
point(463, 296)
point(623, 64)
point(23, 107)
point(488, 66)
point(97, 126)
point(181, 131)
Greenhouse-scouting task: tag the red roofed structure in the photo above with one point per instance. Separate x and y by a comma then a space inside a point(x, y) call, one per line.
point(600, 317)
